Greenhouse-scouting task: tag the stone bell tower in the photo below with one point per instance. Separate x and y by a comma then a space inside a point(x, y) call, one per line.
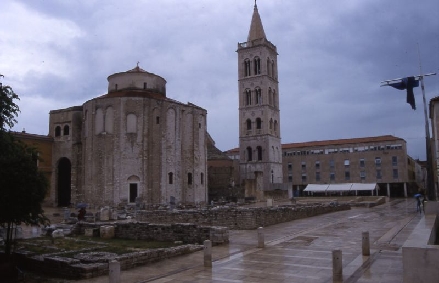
point(259, 117)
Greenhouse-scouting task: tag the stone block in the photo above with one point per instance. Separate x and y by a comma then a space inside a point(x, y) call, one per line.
point(58, 233)
point(91, 232)
point(106, 231)
point(105, 214)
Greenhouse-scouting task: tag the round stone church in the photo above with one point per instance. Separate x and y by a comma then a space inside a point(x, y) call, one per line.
point(133, 144)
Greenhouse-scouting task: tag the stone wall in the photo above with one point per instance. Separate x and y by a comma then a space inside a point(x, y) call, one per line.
point(185, 232)
point(239, 218)
point(72, 268)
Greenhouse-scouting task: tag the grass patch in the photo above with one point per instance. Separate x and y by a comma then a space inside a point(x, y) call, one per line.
point(69, 246)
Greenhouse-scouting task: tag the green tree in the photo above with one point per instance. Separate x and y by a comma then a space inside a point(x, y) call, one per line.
point(8, 109)
point(22, 186)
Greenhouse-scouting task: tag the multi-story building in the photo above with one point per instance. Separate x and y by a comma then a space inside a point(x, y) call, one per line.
point(382, 160)
point(434, 118)
point(259, 118)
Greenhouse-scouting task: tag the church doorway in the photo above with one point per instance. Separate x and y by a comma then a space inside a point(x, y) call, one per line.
point(133, 192)
point(64, 181)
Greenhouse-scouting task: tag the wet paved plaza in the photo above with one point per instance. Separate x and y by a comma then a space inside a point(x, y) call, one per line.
point(299, 251)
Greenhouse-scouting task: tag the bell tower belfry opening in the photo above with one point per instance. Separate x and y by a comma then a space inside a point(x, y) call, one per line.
point(259, 116)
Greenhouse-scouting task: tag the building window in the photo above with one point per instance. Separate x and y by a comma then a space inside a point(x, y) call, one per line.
point(317, 165)
point(362, 175)
point(157, 120)
point(249, 154)
point(331, 164)
point(202, 178)
point(247, 67)
point(346, 163)
point(379, 174)
point(290, 178)
point(66, 130)
point(249, 124)
point(115, 86)
point(189, 178)
point(170, 178)
point(332, 176)
point(303, 165)
point(258, 96)
point(394, 160)
point(303, 178)
point(258, 123)
point(378, 161)
point(362, 162)
point(317, 176)
point(131, 123)
point(259, 149)
point(248, 97)
point(290, 166)
point(270, 96)
point(57, 131)
point(144, 85)
point(347, 175)
point(257, 63)
point(274, 98)
point(395, 174)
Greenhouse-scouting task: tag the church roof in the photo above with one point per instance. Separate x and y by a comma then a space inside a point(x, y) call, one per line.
point(256, 28)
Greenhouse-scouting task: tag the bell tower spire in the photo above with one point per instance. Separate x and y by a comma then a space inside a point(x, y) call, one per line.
point(256, 27)
point(259, 117)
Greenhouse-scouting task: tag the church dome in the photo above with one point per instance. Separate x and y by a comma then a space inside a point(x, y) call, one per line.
point(136, 79)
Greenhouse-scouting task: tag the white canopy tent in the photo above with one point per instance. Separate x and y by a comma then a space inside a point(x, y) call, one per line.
point(316, 188)
point(344, 187)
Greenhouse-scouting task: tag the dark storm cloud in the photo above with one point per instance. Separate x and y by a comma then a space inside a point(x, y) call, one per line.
point(332, 57)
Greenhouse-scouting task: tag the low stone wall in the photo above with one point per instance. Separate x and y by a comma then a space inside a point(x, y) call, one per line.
point(96, 264)
point(239, 218)
point(184, 232)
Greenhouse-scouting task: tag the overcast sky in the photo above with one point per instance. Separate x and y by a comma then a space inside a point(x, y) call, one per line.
point(332, 57)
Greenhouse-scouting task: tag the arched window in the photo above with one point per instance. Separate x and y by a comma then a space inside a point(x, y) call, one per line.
point(249, 124)
point(109, 118)
point(275, 125)
point(247, 67)
point(270, 96)
point(272, 176)
point(268, 67)
point(57, 131)
point(257, 65)
point(259, 149)
point(273, 74)
point(99, 121)
point(249, 154)
point(248, 97)
point(66, 130)
point(274, 98)
point(170, 178)
point(271, 124)
point(131, 123)
point(189, 178)
point(258, 123)
point(258, 96)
